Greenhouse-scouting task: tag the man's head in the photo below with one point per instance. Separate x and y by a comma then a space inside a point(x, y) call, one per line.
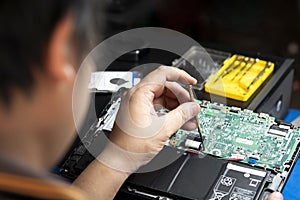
point(37, 73)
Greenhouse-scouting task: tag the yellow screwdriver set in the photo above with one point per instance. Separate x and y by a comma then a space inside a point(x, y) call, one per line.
point(239, 77)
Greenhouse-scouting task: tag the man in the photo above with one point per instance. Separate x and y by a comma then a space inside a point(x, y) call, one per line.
point(37, 74)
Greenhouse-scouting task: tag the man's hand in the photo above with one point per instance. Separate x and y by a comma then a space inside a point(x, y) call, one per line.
point(139, 132)
point(137, 121)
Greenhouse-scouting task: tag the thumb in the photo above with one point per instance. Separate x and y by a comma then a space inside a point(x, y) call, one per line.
point(179, 116)
point(275, 196)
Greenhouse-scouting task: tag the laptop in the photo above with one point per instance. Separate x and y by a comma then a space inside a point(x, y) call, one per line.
point(245, 155)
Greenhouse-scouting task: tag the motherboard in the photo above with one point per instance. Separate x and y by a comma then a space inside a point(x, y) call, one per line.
point(240, 135)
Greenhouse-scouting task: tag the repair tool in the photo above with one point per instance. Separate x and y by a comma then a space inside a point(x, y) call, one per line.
point(256, 60)
point(237, 58)
point(244, 67)
point(245, 60)
point(268, 64)
point(192, 97)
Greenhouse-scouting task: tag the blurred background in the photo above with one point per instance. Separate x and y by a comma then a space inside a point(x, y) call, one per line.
point(265, 26)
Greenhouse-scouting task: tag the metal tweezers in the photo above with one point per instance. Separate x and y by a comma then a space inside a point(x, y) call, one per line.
point(192, 97)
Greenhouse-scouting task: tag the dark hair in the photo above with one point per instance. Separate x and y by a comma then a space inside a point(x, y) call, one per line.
point(26, 27)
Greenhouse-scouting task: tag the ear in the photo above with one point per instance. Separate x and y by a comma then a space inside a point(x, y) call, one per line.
point(58, 58)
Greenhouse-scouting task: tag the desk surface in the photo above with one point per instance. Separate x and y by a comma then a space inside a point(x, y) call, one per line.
point(292, 188)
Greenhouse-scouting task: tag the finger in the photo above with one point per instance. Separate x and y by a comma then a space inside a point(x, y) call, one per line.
point(171, 103)
point(174, 94)
point(190, 125)
point(166, 73)
point(275, 196)
point(176, 91)
point(166, 102)
point(179, 116)
point(159, 101)
point(158, 78)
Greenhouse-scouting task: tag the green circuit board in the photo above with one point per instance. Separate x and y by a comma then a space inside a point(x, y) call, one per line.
point(241, 135)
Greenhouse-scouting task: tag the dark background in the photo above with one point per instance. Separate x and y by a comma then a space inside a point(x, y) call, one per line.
point(271, 27)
